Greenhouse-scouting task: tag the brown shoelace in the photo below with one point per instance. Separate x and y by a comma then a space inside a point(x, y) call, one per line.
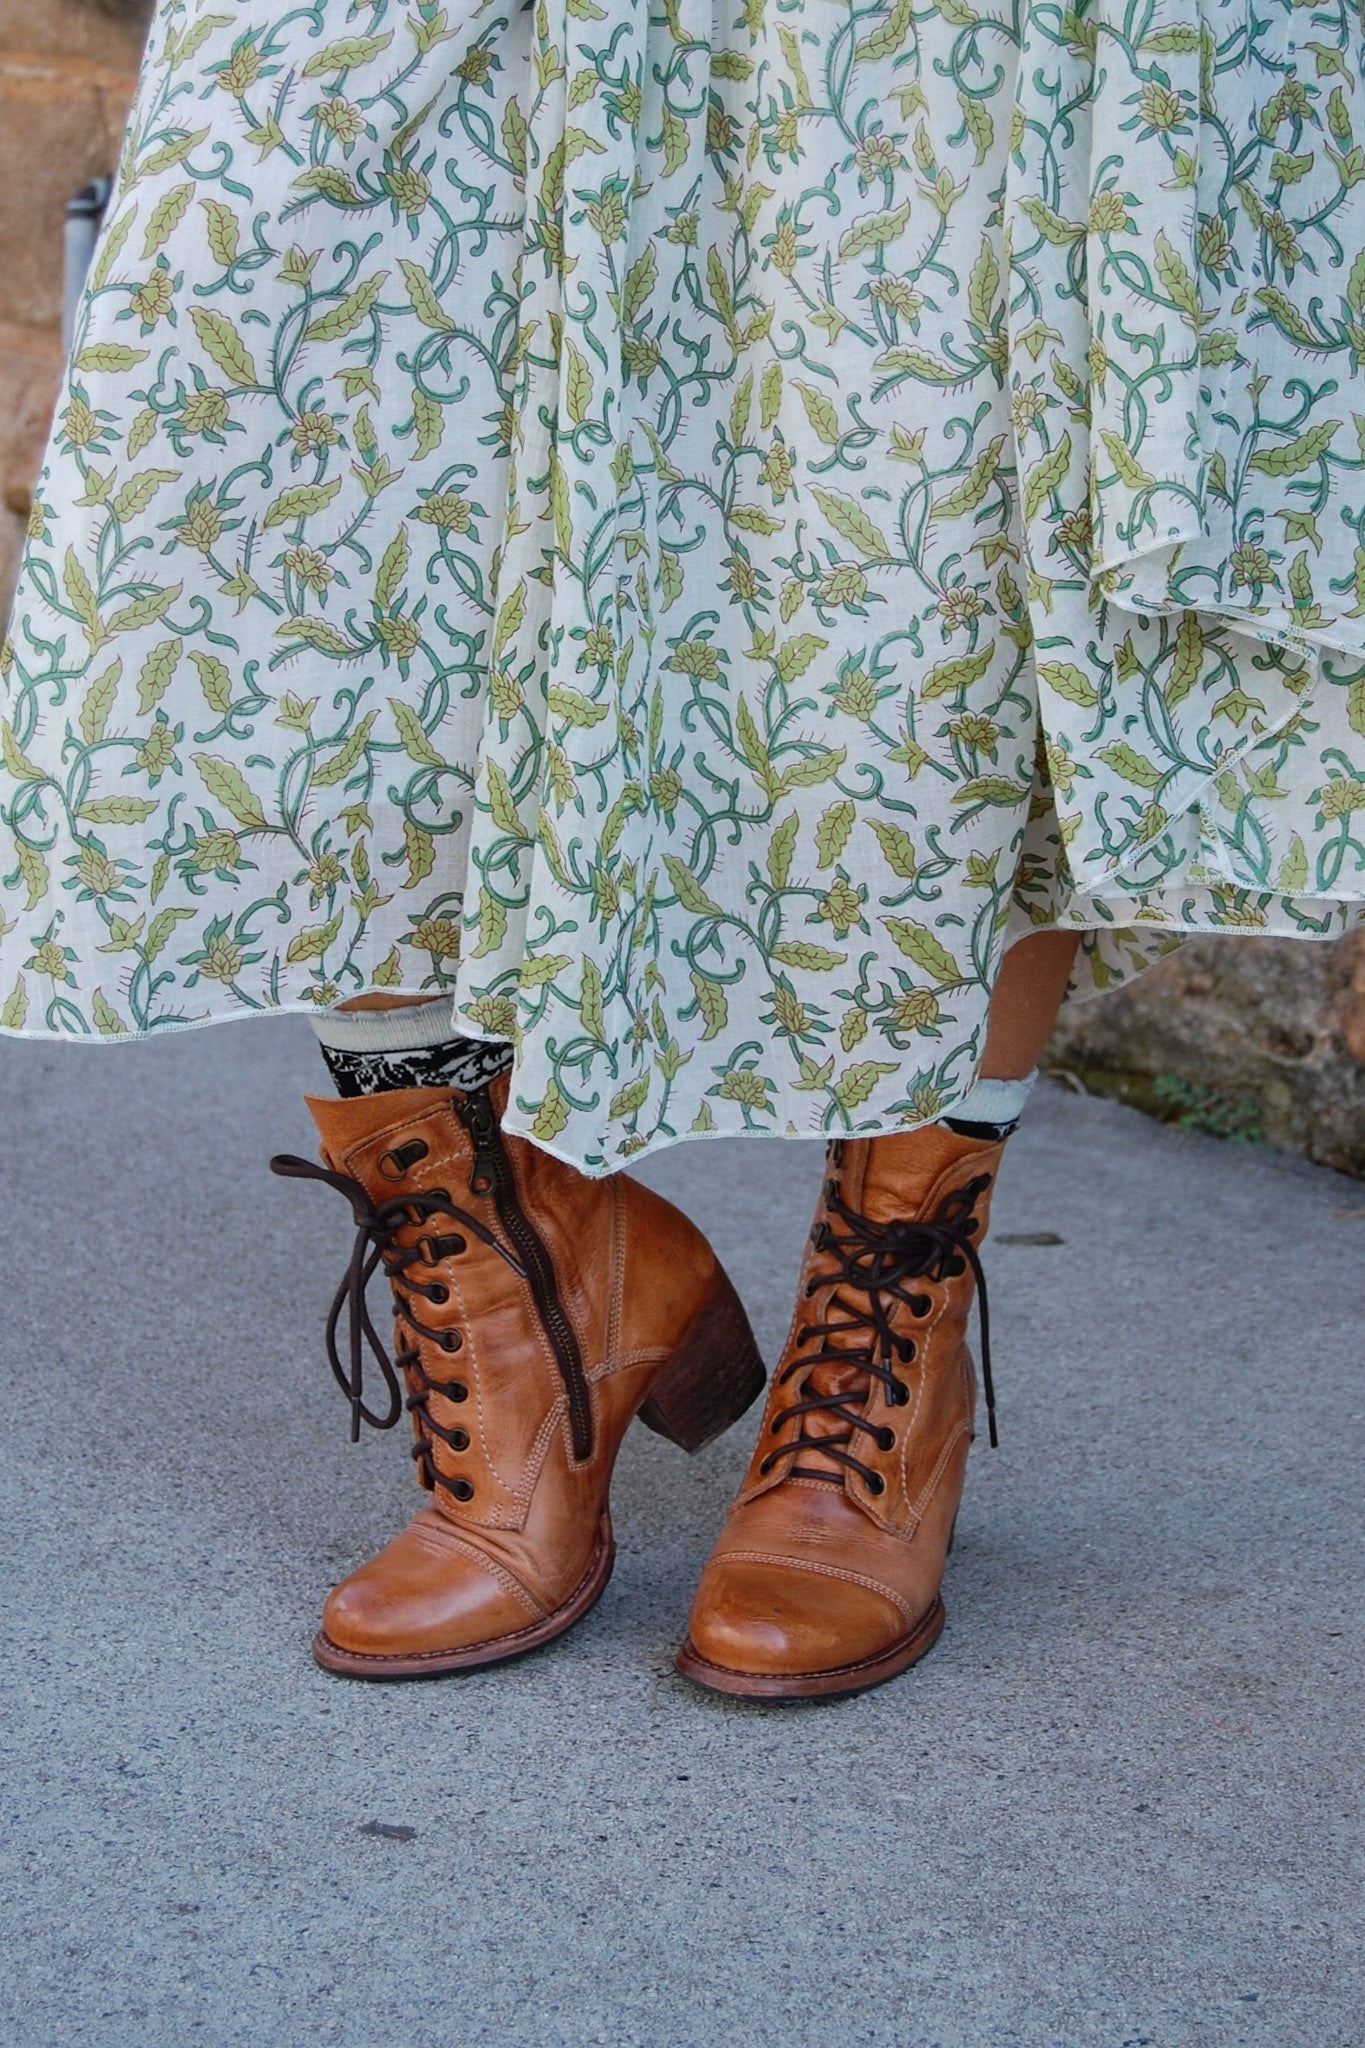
point(878, 1261)
point(377, 1228)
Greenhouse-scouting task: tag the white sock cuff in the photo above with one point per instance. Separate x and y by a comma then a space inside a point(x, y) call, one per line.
point(994, 1102)
point(403, 1029)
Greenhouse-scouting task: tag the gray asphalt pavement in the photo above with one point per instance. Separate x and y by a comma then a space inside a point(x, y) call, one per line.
point(1119, 1806)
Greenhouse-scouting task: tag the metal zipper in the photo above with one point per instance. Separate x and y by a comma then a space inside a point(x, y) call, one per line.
point(493, 1174)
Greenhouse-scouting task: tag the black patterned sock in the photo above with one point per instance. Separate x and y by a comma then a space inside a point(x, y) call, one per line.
point(412, 1046)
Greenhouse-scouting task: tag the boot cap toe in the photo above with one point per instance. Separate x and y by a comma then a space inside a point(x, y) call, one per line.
point(423, 1596)
point(775, 1619)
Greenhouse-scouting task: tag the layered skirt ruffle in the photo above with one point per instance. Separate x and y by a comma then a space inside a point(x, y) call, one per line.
point(694, 529)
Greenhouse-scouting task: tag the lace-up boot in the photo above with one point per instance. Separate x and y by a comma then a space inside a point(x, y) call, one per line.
point(535, 1313)
point(826, 1577)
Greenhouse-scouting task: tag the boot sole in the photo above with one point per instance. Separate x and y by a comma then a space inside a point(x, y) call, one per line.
point(478, 1656)
point(787, 1689)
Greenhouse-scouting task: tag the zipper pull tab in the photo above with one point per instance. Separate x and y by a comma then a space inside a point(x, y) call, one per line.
point(476, 1114)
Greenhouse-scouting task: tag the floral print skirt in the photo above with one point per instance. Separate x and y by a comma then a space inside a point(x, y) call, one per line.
point(694, 524)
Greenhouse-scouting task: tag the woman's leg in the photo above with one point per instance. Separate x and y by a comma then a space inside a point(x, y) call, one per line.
point(1028, 994)
point(826, 1577)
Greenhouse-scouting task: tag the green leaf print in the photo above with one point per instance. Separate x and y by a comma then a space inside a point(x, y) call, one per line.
point(712, 1005)
point(99, 702)
point(1070, 682)
point(929, 953)
point(144, 611)
point(874, 231)
point(850, 521)
point(157, 672)
point(552, 1115)
point(229, 787)
point(137, 494)
point(1129, 469)
point(831, 834)
point(420, 850)
point(346, 317)
point(781, 847)
point(820, 412)
point(224, 346)
point(975, 486)
point(33, 874)
point(312, 944)
point(393, 568)
point(795, 656)
point(805, 954)
point(1291, 458)
point(1188, 661)
point(1132, 766)
point(411, 731)
point(578, 386)
point(109, 356)
point(688, 889)
point(1046, 476)
point(15, 1013)
point(501, 803)
point(116, 810)
point(949, 678)
point(423, 299)
point(348, 53)
point(856, 1083)
point(318, 635)
point(16, 760)
point(898, 848)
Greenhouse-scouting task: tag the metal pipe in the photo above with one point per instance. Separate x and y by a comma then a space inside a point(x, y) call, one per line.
point(84, 214)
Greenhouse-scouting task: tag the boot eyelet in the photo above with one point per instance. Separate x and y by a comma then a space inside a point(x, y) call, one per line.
point(886, 1439)
point(450, 1340)
point(898, 1394)
point(765, 1468)
point(438, 1291)
point(394, 1164)
point(462, 1489)
point(455, 1390)
point(434, 1249)
point(459, 1440)
point(876, 1484)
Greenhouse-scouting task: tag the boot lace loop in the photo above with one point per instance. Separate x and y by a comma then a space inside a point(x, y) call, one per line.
point(877, 1262)
point(377, 1228)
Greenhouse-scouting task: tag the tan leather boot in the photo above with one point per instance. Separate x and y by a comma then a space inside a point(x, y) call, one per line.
point(826, 1577)
point(536, 1312)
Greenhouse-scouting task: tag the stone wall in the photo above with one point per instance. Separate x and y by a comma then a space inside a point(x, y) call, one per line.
point(1255, 1037)
point(66, 73)
point(1251, 1038)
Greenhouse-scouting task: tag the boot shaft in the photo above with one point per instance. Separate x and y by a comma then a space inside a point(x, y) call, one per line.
point(875, 1388)
point(532, 1305)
